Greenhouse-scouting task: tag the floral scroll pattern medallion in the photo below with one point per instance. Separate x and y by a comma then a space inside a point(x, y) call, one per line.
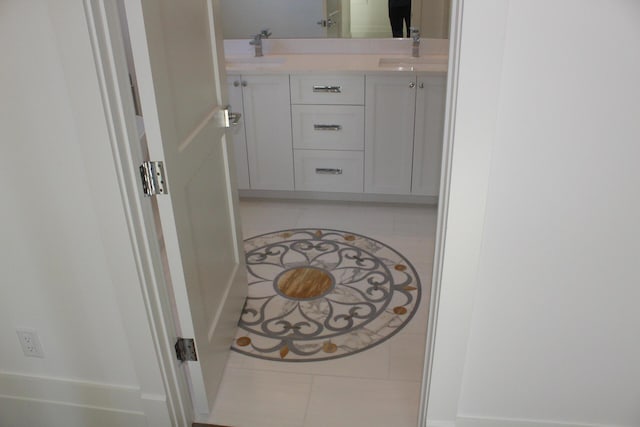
point(319, 294)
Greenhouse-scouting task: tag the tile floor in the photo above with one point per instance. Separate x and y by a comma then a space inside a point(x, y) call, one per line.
point(378, 387)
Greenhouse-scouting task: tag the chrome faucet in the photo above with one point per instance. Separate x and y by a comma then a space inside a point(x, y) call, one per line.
point(415, 47)
point(266, 33)
point(257, 41)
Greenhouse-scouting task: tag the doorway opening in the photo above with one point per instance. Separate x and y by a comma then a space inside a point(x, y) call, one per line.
point(388, 374)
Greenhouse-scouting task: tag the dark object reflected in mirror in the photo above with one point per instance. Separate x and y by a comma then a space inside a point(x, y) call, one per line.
point(334, 18)
point(399, 14)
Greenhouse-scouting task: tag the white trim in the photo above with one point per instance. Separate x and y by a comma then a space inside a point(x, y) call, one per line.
point(438, 423)
point(457, 7)
point(463, 214)
point(22, 412)
point(338, 197)
point(69, 392)
point(467, 421)
point(106, 39)
point(39, 395)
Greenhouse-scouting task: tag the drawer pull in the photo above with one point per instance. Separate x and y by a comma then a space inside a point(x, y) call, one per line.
point(328, 89)
point(328, 171)
point(327, 127)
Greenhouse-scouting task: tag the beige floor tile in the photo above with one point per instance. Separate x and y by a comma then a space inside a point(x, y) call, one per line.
point(260, 217)
point(249, 398)
point(347, 402)
point(406, 353)
point(415, 221)
point(372, 363)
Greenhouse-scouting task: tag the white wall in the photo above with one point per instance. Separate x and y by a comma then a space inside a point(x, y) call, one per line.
point(285, 18)
point(538, 319)
point(370, 19)
point(433, 19)
point(60, 220)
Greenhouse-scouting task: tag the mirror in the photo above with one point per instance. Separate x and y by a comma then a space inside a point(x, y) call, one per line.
point(329, 18)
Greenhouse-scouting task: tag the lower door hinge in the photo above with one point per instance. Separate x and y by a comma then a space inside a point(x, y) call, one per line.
point(153, 181)
point(186, 350)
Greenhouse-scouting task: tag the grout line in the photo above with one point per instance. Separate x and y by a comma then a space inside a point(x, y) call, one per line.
point(353, 377)
point(306, 409)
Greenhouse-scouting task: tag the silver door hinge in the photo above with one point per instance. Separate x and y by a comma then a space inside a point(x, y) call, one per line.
point(186, 350)
point(153, 181)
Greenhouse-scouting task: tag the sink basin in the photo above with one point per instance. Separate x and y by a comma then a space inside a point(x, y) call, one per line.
point(262, 61)
point(410, 63)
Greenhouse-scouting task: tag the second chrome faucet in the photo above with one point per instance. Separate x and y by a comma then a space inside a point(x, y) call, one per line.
point(257, 41)
point(415, 47)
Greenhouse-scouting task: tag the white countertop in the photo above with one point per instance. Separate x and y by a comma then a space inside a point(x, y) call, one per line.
point(337, 63)
point(337, 56)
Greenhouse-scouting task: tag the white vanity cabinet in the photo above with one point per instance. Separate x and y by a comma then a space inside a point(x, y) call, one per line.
point(403, 136)
point(266, 107)
point(379, 133)
point(328, 132)
point(429, 132)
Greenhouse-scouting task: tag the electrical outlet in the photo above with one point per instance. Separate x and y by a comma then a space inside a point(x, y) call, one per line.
point(30, 342)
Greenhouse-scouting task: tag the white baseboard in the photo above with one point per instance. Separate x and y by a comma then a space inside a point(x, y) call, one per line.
point(33, 401)
point(510, 422)
point(440, 423)
point(336, 196)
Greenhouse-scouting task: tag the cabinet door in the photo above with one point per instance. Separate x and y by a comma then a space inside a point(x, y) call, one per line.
point(427, 149)
point(237, 133)
point(267, 112)
point(389, 119)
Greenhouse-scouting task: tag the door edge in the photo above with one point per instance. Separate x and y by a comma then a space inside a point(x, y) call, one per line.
point(103, 22)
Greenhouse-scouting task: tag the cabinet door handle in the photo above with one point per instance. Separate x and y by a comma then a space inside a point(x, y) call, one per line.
point(328, 171)
point(244, 83)
point(236, 83)
point(421, 85)
point(327, 127)
point(412, 85)
point(327, 89)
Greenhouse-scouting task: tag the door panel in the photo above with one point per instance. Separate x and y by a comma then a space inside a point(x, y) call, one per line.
point(427, 149)
point(237, 134)
point(267, 108)
point(389, 115)
point(177, 58)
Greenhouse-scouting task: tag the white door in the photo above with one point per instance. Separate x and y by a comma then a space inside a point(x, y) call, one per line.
point(332, 21)
point(178, 59)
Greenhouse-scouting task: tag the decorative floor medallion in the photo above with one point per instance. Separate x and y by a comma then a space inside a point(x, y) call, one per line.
point(318, 294)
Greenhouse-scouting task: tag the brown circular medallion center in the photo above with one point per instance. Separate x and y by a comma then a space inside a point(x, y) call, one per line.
point(304, 283)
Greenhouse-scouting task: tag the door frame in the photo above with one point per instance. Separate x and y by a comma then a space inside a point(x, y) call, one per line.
point(455, 33)
point(103, 22)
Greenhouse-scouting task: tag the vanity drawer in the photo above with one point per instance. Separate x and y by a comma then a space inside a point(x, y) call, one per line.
point(328, 127)
point(325, 170)
point(328, 89)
